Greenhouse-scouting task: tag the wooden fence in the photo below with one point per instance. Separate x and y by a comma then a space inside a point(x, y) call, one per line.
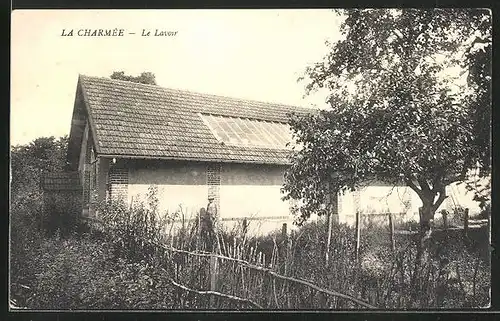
point(467, 225)
point(259, 283)
point(217, 260)
point(223, 277)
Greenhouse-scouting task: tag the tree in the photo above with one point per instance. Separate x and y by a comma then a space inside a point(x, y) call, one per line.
point(145, 77)
point(29, 161)
point(396, 113)
point(478, 57)
point(27, 165)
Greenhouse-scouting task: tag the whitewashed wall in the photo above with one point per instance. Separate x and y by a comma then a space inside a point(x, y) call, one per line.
point(246, 191)
point(400, 199)
point(181, 186)
point(253, 191)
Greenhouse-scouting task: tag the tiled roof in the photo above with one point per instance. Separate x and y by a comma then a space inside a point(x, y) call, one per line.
point(137, 120)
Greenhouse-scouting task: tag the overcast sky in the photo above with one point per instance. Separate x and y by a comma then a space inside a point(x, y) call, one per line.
point(254, 54)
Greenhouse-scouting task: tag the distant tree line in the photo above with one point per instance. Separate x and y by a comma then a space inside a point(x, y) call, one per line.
point(144, 78)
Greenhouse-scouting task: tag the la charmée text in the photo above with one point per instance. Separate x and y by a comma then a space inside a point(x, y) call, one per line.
point(116, 32)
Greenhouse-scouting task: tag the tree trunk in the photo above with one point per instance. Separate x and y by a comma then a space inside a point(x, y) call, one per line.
point(429, 206)
point(426, 213)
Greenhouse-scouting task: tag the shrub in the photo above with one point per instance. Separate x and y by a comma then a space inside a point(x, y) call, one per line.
point(485, 212)
point(384, 277)
point(129, 226)
point(83, 273)
point(61, 213)
point(25, 238)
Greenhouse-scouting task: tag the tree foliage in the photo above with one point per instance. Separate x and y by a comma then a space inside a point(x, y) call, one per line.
point(478, 59)
point(144, 78)
point(29, 161)
point(400, 110)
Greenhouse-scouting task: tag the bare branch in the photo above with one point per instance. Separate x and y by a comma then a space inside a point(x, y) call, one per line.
point(274, 274)
point(222, 295)
point(254, 267)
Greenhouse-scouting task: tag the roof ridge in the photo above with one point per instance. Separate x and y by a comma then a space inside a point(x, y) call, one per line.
point(186, 91)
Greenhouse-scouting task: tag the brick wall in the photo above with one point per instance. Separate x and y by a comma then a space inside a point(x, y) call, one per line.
point(118, 183)
point(213, 182)
point(86, 186)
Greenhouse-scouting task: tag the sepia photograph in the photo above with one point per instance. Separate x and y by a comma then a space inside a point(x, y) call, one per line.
point(250, 160)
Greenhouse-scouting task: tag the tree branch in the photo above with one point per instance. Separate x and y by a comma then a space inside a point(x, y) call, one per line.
point(424, 185)
point(222, 295)
point(442, 197)
point(415, 188)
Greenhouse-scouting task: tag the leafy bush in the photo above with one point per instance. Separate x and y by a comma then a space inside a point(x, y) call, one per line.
point(61, 213)
point(25, 237)
point(134, 229)
point(83, 273)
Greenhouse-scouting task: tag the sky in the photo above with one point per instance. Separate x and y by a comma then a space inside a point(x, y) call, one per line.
point(252, 54)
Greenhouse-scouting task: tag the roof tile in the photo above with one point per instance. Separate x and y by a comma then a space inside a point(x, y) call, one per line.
point(150, 121)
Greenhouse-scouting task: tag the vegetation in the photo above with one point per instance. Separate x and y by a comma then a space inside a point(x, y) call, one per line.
point(144, 78)
point(400, 112)
point(29, 161)
point(396, 114)
point(393, 117)
point(125, 264)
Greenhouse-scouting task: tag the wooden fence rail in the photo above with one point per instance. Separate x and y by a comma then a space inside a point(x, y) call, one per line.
point(270, 272)
point(214, 293)
point(278, 276)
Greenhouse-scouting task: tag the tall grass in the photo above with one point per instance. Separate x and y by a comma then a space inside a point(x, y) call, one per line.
point(126, 263)
point(454, 274)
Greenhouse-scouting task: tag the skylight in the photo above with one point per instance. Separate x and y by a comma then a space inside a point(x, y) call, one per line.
point(248, 132)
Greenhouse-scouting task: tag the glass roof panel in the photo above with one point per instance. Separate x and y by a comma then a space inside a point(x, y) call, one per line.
point(264, 140)
point(271, 132)
point(248, 132)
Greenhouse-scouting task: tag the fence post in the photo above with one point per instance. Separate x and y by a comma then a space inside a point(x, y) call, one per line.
point(328, 237)
point(244, 228)
point(283, 231)
point(213, 278)
point(332, 204)
point(283, 250)
point(391, 228)
point(466, 222)
point(444, 213)
point(358, 232)
point(198, 236)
